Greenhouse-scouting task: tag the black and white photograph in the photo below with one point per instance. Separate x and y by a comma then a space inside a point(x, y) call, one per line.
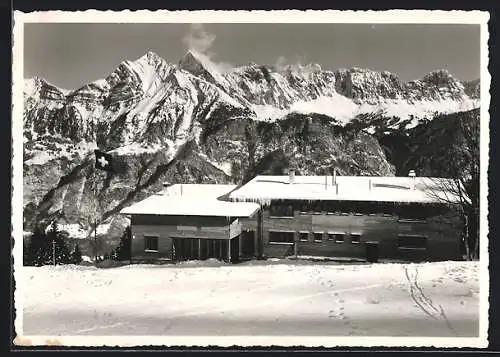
point(261, 178)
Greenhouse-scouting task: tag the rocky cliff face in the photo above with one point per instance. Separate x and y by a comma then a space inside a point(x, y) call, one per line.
point(193, 122)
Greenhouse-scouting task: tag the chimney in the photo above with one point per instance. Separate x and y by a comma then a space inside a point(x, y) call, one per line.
point(334, 177)
point(370, 184)
point(291, 176)
point(412, 175)
point(166, 188)
point(326, 182)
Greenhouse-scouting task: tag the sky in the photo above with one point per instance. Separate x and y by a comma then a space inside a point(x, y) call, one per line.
point(70, 55)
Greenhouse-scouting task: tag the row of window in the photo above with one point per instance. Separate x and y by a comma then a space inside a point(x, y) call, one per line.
point(406, 211)
point(289, 237)
point(405, 241)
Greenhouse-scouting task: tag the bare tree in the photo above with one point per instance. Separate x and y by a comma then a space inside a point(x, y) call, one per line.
point(462, 187)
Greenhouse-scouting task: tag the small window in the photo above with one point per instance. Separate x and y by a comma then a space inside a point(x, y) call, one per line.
point(337, 237)
point(303, 236)
point(277, 210)
point(281, 237)
point(318, 237)
point(151, 243)
point(355, 238)
point(412, 220)
point(408, 241)
point(412, 211)
point(318, 208)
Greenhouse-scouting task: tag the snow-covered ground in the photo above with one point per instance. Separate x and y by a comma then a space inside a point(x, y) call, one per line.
point(252, 299)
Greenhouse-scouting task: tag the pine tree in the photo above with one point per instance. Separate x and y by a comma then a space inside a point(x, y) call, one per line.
point(36, 251)
point(123, 251)
point(76, 255)
point(56, 241)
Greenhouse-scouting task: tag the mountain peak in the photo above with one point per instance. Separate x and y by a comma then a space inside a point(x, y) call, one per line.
point(150, 58)
point(35, 84)
point(152, 55)
point(199, 64)
point(194, 58)
point(439, 77)
point(35, 80)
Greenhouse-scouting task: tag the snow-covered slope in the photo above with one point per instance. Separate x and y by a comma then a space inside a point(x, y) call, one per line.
point(422, 304)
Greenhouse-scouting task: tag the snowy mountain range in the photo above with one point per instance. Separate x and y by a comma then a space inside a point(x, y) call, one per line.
point(195, 121)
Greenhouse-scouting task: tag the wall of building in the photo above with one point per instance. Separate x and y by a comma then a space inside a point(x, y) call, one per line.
point(442, 231)
point(168, 227)
point(441, 228)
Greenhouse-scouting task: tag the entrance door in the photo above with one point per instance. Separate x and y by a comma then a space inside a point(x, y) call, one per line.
point(248, 243)
point(194, 248)
point(235, 249)
point(185, 248)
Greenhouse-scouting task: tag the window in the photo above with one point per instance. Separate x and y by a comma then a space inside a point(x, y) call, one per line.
point(281, 210)
point(412, 220)
point(412, 212)
point(355, 238)
point(281, 237)
point(337, 237)
point(318, 237)
point(151, 243)
point(412, 241)
point(304, 208)
point(318, 207)
point(371, 208)
point(304, 236)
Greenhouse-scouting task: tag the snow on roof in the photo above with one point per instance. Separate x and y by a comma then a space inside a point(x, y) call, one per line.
point(263, 189)
point(193, 200)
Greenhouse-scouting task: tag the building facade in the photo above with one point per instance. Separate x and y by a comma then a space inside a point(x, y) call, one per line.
point(280, 216)
point(188, 222)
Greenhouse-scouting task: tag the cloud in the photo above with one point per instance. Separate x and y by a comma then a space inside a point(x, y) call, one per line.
point(281, 63)
point(298, 64)
point(199, 39)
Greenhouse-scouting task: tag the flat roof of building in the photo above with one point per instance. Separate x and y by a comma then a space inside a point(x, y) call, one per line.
point(193, 200)
point(263, 189)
